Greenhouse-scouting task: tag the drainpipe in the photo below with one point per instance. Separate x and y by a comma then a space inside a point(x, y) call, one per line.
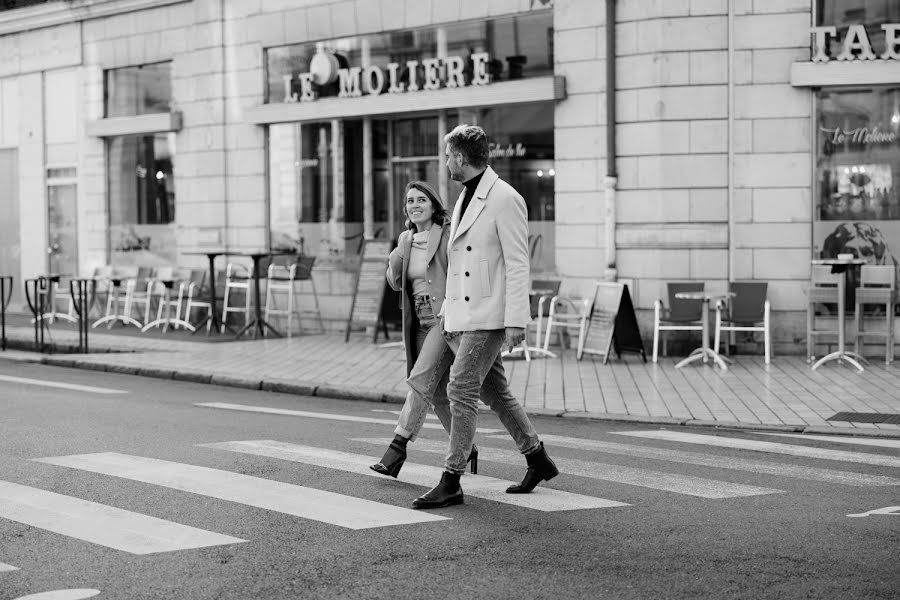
point(609, 181)
point(730, 136)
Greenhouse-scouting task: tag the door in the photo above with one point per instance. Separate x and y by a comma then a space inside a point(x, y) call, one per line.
point(62, 235)
point(10, 246)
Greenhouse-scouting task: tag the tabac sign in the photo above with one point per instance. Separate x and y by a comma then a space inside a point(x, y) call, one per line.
point(856, 44)
point(427, 74)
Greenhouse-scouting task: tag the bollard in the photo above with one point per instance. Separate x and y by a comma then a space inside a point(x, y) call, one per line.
point(83, 292)
point(6, 288)
point(37, 294)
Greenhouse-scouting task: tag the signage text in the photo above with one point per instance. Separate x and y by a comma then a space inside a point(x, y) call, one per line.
point(856, 43)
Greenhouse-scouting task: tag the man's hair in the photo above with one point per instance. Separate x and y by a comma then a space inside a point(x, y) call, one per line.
point(472, 142)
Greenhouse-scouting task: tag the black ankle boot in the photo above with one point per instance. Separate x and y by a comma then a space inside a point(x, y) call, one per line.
point(447, 493)
point(393, 458)
point(540, 468)
point(473, 460)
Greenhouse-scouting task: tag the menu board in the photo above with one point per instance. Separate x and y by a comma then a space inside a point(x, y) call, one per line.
point(365, 310)
point(612, 324)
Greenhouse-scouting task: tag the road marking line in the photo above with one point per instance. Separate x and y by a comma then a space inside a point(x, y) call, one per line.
point(318, 415)
point(477, 486)
point(397, 412)
point(887, 510)
point(760, 446)
point(299, 501)
point(837, 439)
point(707, 460)
point(65, 386)
point(81, 594)
point(5, 568)
point(101, 524)
point(657, 480)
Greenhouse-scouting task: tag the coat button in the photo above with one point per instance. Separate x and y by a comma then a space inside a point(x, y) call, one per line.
point(467, 273)
point(469, 248)
point(467, 298)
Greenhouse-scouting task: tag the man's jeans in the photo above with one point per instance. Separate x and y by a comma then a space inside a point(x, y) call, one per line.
point(475, 370)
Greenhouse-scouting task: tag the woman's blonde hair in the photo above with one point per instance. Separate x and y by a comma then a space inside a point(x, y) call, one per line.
point(440, 214)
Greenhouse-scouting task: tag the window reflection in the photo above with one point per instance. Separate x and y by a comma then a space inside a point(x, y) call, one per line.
point(141, 191)
point(520, 46)
point(140, 90)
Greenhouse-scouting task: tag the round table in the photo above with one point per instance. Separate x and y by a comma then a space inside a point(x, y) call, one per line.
point(841, 354)
point(704, 352)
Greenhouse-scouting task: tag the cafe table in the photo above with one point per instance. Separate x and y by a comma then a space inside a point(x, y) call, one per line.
point(704, 352)
point(168, 319)
point(110, 320)
point(841, 265)
point(213, 314)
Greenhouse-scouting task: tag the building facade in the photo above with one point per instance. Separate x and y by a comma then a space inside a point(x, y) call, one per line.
point(749, 135)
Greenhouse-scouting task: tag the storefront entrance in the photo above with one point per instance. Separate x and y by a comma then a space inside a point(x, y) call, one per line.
point(62, 234)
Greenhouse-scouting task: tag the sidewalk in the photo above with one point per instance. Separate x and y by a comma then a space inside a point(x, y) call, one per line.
point(786, 395)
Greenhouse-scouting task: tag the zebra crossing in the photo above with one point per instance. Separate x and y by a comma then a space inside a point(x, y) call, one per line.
point(136, 533)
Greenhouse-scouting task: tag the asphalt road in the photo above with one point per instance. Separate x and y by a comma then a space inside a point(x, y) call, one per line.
point(684, 519)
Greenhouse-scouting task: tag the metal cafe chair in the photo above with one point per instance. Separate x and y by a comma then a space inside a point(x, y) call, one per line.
point(284, 278)
point(238, 278)
point(681, 315)
point(823, 289)
point(567, 313)
point(543, 293)
point(747, 311)
point(877, 285)
point(197, 296)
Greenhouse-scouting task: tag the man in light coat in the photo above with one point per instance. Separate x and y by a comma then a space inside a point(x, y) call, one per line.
point(486, 307)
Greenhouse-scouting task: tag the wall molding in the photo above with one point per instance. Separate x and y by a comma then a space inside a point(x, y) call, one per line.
point(535, 89)
point(113, 126)
point(58, 13)
point(834, 73)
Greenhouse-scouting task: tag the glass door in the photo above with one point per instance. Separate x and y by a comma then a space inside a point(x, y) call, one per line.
point(62, 249)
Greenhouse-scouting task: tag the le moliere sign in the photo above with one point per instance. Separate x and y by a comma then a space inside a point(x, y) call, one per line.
point(427, 74)
point(856, 44)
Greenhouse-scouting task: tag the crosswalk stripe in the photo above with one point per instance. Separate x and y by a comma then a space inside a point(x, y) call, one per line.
point(489, 488)
point(657, 480)
point(57, 384)
point(719, 462)
point(5, 568)
point(318, 415)
point(299, 501)
point(837, 439)
point(100, 524)
point(772, 447)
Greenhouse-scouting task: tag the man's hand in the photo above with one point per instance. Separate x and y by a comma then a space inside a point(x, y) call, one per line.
point(514, 336)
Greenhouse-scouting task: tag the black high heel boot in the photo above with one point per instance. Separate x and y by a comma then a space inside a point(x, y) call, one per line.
point(473, 460)
point(393, 458)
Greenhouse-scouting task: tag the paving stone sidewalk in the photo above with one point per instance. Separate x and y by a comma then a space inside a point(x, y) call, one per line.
point(785, 395)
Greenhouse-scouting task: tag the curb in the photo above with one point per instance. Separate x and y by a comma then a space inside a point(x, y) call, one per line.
point(349, 392)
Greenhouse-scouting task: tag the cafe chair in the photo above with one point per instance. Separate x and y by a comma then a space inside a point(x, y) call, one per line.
point(118, 307)
point(566, 314)
point(747, 311)
point(197, 296)
point(165, 302)
point(285, 278)
point(823, 289)
point(681, 315)
point(877, 285)
point(543, 291)
point(238, 278)
point(139, 291)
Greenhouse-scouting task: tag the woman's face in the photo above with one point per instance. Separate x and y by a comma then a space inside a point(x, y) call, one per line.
point(419, 209)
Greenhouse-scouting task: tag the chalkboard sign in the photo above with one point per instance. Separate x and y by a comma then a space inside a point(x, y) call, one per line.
point(366, 309)
point(612, 324)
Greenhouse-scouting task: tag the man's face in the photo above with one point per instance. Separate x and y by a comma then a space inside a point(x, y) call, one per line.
point(454, 163)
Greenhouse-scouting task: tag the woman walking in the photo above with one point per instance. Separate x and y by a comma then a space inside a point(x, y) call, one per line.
point(417, 268)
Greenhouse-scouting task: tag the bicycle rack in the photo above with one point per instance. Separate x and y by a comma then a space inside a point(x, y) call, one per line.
point(6, 288)
point(37, 294)
point(83, 292)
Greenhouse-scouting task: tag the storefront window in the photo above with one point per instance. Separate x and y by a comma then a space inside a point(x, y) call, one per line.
point(141, 199)
point(519, 46)
point(141, 90)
